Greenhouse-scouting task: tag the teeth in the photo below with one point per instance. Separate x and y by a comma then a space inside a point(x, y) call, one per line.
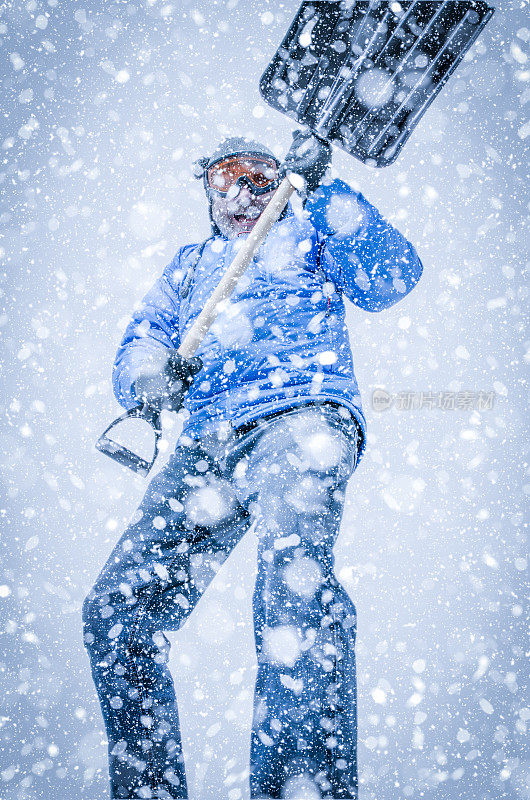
point(248, 213)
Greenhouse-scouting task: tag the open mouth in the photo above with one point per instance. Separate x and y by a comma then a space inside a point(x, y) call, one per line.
point(245, 222)
point(248, 216)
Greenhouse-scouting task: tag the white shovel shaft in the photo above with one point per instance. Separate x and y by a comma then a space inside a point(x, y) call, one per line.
point(228, 282)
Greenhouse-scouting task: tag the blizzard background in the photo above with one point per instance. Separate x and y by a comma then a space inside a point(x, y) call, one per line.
point(105, 104)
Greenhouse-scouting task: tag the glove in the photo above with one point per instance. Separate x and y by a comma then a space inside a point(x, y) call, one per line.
point(166, 386)
point(309, 157)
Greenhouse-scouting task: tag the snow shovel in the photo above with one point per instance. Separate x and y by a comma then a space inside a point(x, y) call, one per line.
point(362, 74)
point(359, 75)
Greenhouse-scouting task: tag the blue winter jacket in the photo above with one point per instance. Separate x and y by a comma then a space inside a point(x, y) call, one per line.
point(282, 340)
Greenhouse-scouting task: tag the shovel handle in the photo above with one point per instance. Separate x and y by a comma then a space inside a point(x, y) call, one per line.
point(228, 282)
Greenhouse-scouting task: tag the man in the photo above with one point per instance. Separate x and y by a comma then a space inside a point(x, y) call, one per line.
point(275, 429)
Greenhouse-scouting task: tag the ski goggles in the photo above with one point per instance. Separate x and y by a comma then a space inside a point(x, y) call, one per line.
point(260, 174)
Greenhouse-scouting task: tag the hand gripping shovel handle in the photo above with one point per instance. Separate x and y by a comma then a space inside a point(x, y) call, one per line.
point(199, 329)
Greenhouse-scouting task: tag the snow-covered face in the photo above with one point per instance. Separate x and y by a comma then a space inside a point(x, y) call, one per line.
point(237, 213)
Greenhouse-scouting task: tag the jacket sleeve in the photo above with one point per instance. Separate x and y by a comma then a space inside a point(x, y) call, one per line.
point(152, 330)
point(365, 257)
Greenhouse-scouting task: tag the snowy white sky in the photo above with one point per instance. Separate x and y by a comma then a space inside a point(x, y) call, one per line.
point(105, 106)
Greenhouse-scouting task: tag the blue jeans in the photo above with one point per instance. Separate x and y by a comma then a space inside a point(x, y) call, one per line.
point(286, 474)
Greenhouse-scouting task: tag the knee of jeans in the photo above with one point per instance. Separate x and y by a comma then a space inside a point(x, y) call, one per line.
point(88, 616)
point(88, 607)
point(97, 621)
point(302, 503)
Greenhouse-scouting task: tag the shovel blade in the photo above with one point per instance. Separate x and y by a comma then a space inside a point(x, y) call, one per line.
point(362, 74)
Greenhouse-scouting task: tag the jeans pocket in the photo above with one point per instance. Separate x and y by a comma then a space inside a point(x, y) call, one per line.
point(348, 455)
point(346, 428)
